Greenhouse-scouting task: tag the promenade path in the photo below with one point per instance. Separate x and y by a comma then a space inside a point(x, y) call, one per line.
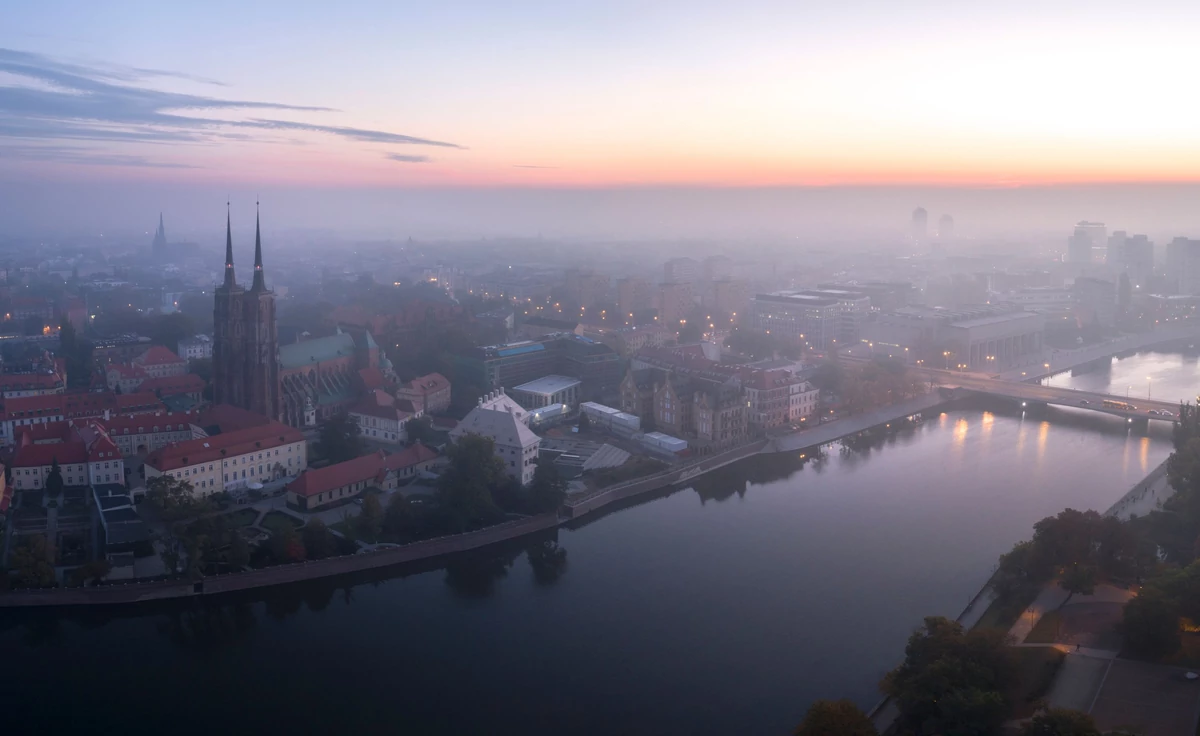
point(846, 426)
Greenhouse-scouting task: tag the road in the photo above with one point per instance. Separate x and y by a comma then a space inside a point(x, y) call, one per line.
point(1053, 395)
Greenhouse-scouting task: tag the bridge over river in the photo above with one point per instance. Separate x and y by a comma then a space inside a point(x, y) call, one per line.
point(1134, 409)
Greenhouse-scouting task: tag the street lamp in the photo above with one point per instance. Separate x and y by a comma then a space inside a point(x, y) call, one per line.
point(1147, 388)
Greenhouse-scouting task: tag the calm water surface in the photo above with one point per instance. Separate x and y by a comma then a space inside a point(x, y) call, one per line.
point(719, 609)
point(1166, 376)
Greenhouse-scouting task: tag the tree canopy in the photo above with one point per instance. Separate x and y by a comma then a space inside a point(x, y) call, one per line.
point(841, 717)
point(1060, 722)
point(953, 681)
point(339, 438)
point(465, 488)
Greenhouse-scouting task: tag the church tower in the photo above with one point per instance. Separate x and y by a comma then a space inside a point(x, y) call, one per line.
point(159, 247)
point(245, 338)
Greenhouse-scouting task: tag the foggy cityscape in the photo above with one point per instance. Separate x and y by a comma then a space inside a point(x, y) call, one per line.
point(672, 368)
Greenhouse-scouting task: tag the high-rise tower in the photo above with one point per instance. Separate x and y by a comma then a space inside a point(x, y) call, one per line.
point(245, 337)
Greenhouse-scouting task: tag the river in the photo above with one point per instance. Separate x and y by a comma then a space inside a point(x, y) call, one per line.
point(725, 607)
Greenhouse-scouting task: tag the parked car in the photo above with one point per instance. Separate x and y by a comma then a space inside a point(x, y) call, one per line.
point(1084, 402)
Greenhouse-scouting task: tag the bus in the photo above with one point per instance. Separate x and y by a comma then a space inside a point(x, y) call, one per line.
point(1124, 405)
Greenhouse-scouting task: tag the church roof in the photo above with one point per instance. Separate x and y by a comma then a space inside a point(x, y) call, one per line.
point(319, 350)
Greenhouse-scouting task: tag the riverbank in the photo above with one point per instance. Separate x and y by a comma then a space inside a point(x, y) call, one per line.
point(572, 510)
point(1145, 497)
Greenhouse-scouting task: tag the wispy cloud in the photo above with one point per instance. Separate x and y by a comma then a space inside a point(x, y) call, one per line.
point(56, 100)
point(407, 159)
point(80, 155)
point(532, 166)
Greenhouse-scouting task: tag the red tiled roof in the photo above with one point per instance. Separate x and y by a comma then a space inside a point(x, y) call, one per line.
point(188, 383)
point(37, 456)
point(372, 378)
point(771, 379)
point(320, 480)
point(41, 432)
point(29, 381)
point(158, 355)
point(117, 424)
point(126, 371)
point(371, 408)
point(409, 457)
point(425, 385)
point(227, 444)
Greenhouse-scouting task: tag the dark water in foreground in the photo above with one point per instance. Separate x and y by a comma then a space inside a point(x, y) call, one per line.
point(720, 609)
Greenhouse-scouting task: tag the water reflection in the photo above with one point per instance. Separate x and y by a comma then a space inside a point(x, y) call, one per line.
point(205, 629)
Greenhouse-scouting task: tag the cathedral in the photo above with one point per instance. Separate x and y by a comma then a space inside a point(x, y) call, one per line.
point(245, 339)
point(299, 383)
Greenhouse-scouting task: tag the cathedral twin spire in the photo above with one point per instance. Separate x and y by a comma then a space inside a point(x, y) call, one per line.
point(260, 283)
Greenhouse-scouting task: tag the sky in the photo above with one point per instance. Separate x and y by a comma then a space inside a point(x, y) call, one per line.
point(371, 96)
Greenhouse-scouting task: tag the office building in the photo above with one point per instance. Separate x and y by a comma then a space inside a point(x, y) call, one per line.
point(919, 227)
point(1088, 244)
point(797, 319)
point(675, 302)
point(681, 270)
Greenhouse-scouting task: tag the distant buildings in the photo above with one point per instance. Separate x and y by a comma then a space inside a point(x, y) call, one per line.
point(1183, 265)
point(33, 410)
point(595, 364)
point(1097, 298)
point(981, 337)
point(797, 318)
point(327, 487)
point(946, 229)
point(1131, 254)
point(919, 227)
point(1088, 243)
point(675, 301)
point(681, 270)
point(634, 295)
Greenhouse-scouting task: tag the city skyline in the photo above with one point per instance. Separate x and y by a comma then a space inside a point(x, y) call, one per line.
point(674, 95)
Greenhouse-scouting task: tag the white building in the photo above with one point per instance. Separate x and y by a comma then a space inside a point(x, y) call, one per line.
point(232, 460)
point(384, 422)
point(196, 348)
point(548, 390)
point(515, 444)
point(499, 401)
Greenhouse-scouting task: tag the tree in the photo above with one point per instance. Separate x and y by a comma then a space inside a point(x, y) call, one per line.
point(54, 481)
point(318, 541)
point(951, 680)
point(286, 545)
point(1079, 579)
point(33, 563)
point(339, 439)
point(841, 717)
point(465, 488)
point(168, 329)
point(585, 422)
point(1150, 625)
point(238, 555)
point(1061, 722)
point(173, 498)
point(421, 430)
point(93, 570)
point(370, 519)
point(400, 518)
point(548, 489)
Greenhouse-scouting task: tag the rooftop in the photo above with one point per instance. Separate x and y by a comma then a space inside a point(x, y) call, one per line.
point(548, 384)
point(227, 444)
point(502, 426)
point(321, 480)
